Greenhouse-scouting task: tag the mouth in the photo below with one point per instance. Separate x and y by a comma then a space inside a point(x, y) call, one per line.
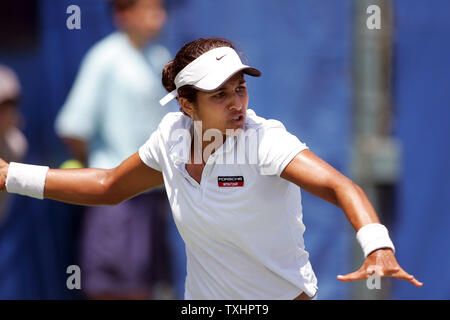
point(238, 118)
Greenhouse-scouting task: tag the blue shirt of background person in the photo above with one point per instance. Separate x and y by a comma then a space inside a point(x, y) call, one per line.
point(115, 105)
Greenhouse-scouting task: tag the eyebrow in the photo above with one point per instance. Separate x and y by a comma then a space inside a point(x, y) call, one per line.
point(242, 81)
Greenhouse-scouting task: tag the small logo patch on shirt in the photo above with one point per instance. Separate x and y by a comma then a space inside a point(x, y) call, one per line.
point(233, 181)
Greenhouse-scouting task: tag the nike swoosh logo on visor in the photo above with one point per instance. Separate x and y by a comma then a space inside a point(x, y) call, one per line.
point(220, 57)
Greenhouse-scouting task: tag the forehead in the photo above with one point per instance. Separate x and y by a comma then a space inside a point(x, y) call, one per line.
point(236, 79)
point(148, 4)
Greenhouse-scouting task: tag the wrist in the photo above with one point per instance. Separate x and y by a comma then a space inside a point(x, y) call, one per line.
point(25, 179)
point(381, 252)
point(3, 174)
point(372, 237)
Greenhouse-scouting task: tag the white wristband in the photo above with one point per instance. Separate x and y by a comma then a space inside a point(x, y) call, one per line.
point(26, 179)
point(374, 236)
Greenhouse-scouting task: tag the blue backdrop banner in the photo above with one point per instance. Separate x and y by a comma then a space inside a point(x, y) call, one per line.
point(422, 95)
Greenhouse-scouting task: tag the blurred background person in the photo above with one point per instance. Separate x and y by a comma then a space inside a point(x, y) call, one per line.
point(110, 111)
point(13, 144)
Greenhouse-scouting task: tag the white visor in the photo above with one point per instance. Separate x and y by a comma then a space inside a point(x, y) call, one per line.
point(209, 71)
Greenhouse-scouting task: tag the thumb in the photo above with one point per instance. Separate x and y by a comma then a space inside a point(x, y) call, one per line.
point(357, 275)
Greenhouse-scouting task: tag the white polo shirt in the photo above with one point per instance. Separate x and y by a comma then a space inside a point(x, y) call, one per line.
point(242, 224)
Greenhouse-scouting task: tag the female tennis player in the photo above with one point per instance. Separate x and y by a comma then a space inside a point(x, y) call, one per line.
point(232, 180)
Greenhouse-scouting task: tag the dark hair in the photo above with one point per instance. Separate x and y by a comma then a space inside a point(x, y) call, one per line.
point(121, 5)
point(10, 102)
point(188, 53)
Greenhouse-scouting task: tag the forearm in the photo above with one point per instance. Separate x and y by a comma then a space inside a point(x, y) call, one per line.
point(79, 186)
point(355, 204)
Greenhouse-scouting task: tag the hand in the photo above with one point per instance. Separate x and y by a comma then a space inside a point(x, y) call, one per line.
point(382, 262)
point(3, 172)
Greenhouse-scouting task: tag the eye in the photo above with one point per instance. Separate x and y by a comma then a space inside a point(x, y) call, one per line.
point(241, 89)
point(219, 95)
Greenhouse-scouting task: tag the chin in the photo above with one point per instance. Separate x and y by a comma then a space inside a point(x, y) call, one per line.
point(234, 130)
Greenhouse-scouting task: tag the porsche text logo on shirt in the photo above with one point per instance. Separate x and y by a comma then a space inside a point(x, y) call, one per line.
point(233, 181)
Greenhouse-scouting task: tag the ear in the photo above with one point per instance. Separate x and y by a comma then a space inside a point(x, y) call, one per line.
point(188, 107)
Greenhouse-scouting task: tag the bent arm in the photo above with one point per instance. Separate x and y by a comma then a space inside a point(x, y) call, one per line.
point(97, 186)
point(316, 176)
point(319, 178)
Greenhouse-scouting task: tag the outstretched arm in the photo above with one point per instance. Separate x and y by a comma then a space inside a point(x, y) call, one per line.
point(316, 176)
point(96, 186)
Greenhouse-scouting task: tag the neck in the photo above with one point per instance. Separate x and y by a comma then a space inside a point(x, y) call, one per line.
point(201, 150)
point(136, 40)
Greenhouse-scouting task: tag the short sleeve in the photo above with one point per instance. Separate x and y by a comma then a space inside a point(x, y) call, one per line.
point(276, 149)
point(150, 152)
point(79, 115)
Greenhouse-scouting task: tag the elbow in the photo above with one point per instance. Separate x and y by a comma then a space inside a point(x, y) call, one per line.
point(354, 189)
point(109, 193)
point(347, 185)
point(112, 201)
point(346, 189)
point(357, 189)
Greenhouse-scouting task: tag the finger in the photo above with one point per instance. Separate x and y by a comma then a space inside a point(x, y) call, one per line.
point(390, 272)
point(416, 282)
point(403, 275)
point(375, 269)
point(357, 275)
point(382, 271)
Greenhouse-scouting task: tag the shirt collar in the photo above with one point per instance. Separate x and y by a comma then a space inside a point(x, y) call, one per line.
point(180, 147)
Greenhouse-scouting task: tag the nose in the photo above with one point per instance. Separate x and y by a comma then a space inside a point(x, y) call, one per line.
point(236, 103)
